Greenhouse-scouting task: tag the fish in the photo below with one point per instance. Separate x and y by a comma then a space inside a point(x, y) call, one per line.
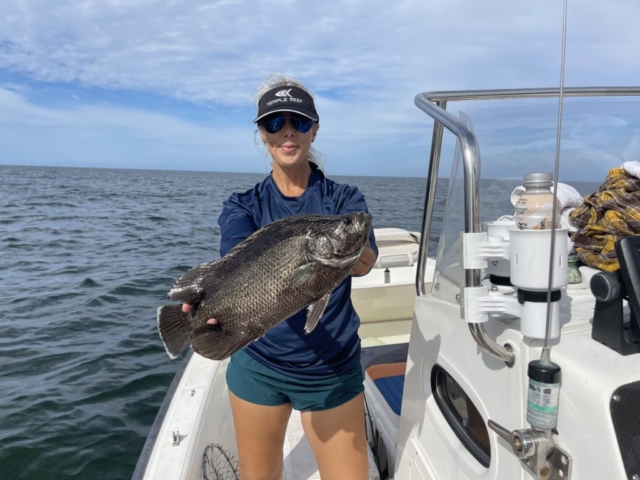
point(286, 266)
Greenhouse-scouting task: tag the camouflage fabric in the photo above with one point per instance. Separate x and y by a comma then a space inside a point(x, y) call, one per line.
point(613, 212)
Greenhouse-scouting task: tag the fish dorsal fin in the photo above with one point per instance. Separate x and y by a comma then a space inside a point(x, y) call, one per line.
point(314, 312)
point(276, 224)
point(249, 240)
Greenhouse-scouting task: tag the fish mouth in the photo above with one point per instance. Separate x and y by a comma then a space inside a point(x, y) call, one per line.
point(364, 219)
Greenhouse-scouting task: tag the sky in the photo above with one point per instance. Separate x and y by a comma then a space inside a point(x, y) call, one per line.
point(169, 84)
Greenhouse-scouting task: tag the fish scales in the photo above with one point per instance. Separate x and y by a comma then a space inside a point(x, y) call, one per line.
point(284, 267)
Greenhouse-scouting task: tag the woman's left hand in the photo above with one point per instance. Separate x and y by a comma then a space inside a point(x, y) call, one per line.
point(365, 262)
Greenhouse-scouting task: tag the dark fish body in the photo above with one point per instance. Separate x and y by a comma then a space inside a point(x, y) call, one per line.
point(289, 265)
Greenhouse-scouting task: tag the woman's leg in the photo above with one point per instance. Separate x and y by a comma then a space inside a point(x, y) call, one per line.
point(260, 432)
point(338, 439)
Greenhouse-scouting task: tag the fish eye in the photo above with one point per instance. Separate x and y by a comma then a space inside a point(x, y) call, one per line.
point(347, 221)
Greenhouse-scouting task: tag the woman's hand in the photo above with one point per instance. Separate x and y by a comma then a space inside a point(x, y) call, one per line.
point(365, 262)
point(186, 308)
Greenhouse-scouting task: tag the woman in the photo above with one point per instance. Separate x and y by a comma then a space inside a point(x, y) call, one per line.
point(319, 373)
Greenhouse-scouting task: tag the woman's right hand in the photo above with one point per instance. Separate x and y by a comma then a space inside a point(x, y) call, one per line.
point(186, 308)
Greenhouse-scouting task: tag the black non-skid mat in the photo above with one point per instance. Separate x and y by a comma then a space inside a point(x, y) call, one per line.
point(625, 413)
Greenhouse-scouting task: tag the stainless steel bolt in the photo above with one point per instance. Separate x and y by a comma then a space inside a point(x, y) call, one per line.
point(564, 460)
point(436, 286)
point(635, 477)
point(458, 297)
point(616, 398)
point(517, 444)
point(545, 471)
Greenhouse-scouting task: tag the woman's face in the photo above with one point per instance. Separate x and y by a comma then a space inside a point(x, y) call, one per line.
point(287, 146)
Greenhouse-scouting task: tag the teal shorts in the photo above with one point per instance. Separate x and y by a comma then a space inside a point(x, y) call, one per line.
point(253, 382)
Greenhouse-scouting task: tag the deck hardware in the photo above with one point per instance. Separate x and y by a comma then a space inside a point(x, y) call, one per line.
point(490, 347)
point(175, 437)
point(538, 453)
point(635, 477)
point(616, 398)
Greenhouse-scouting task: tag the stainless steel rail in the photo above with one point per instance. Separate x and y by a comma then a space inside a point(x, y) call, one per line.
point(430, 197)
point(517, 93)
point(471, 165)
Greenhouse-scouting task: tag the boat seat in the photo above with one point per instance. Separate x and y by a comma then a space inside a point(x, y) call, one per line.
point(384, 384)
point(396, 248)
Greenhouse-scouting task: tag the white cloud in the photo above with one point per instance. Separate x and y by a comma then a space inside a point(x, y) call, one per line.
point(117, 137)
point(219, 51)
point(365, 59)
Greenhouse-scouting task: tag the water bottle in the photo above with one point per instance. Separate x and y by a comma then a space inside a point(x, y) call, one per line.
point(534, 209)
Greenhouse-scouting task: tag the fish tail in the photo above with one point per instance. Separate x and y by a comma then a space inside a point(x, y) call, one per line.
point(174, 328)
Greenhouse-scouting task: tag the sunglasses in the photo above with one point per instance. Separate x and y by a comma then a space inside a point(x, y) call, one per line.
point(274, 123)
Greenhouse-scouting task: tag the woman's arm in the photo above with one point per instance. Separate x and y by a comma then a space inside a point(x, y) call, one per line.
point(236, 222)
point(353, 201)
point(365, 263)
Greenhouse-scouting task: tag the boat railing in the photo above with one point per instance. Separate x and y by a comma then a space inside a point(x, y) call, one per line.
point(434, 104)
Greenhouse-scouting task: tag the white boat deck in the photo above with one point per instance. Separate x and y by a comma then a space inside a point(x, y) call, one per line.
point(299, 462)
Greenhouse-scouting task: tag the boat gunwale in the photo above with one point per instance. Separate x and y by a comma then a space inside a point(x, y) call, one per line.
point(149, 444)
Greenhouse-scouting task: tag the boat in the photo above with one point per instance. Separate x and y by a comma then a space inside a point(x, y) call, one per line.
point(481, 363)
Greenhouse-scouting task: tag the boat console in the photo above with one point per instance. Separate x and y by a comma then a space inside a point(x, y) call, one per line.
point(611, 326)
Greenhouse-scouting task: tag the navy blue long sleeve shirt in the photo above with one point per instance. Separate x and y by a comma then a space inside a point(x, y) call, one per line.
point(333, 347)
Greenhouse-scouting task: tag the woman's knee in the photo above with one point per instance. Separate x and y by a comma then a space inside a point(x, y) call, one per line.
point(250, 470)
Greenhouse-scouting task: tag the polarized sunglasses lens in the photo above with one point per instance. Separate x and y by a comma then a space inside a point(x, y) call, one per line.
point(273, 124)
point(301, 123)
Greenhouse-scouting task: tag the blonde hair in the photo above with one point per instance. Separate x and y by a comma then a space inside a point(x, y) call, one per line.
point(279, 80)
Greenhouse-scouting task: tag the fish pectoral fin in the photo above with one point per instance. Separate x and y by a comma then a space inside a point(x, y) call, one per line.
point(212, 341)
point(174, 328)
point(302, 275)
point(314, 312)
point(337, 262)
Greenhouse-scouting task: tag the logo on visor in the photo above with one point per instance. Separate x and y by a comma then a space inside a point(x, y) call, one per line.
point(284, 93)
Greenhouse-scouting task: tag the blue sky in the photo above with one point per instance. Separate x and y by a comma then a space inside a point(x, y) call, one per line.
point(169, 84)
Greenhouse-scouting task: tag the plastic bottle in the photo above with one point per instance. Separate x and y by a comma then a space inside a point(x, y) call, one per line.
point(534, 209)
point(574, 272)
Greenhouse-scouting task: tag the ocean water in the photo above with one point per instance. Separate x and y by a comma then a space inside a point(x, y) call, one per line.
point(86, 257)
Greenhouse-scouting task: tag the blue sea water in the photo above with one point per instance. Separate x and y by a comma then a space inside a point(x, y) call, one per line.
point(86, 257)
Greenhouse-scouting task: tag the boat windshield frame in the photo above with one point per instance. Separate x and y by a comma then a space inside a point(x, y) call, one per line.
point(434, 104)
